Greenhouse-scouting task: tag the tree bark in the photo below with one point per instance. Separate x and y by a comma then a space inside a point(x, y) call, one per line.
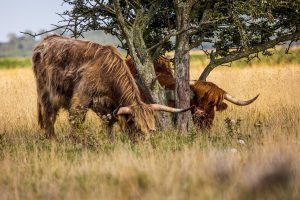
point(146, 73)
point(182, 65)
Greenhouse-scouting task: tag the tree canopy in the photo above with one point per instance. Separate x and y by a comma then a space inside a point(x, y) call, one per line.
point(235, 28)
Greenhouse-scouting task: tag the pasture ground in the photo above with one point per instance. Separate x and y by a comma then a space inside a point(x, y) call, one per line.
point(253, 155)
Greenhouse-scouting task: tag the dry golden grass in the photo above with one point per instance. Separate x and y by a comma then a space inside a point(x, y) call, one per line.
point(211, 165)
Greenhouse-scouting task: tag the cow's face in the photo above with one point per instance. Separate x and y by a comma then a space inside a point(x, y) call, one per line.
point(138, 118)
point(207, 99)
point(204, 113)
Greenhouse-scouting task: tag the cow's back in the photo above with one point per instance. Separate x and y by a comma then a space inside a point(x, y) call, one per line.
point(56, 65)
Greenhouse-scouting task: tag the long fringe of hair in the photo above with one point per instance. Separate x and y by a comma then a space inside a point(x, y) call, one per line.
point(209, 93)
point(144, 119)
point(123, 83)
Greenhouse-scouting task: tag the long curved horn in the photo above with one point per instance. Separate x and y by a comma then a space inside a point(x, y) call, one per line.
point(158, 107)
point(124, 110)
point(235, 101)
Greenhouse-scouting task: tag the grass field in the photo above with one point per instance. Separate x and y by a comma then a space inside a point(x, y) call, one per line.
point(255, 155)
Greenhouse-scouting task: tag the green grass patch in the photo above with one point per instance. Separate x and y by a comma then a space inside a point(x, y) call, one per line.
point(198, 57)
point(278, 57)
point(10, 62)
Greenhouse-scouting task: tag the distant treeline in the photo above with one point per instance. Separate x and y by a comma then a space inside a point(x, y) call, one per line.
point(17, 46)
point(22, 46)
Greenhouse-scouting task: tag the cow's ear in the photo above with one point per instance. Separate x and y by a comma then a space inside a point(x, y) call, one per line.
point(222, 106)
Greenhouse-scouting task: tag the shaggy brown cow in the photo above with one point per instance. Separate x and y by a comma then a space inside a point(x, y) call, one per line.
point(207, 95)
point(78, 75)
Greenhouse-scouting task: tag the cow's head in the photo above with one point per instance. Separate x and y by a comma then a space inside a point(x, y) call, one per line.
point(141, 117)
point(208, 97)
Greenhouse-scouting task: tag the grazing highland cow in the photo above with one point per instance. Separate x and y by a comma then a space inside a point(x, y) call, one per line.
point(80, 75)
point(207, 95)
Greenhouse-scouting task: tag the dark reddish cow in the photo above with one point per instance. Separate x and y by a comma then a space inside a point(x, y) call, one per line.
point(208, 97)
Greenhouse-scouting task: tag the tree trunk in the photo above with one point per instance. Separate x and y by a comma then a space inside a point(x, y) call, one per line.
point(142, 59)
point(153, 90)
point(182, 66)
point(145, 68)
point(182, 88)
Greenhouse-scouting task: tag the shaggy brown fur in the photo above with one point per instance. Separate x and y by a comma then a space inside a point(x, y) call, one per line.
point(78, 75)
point(207, 97)
point(207, 93)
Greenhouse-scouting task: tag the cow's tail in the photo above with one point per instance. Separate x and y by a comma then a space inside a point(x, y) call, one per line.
point(40, 115)
point(36, 57)
point(35, 62)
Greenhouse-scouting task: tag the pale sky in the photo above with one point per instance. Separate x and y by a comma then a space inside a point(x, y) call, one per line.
point(34, 15)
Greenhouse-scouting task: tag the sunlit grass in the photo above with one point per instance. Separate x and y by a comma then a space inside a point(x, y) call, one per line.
point(169, 165)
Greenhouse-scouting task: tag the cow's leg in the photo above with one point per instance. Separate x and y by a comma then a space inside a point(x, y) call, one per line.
point(77, 113)
point(108, 121)
point(102, 106)
point(50, 125)
point(109, 129)
point(46, 111)
point(49, 116)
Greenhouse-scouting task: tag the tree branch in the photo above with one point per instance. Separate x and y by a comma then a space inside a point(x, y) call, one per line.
point(121, 20)
point(192, 30)
point(198, 42)
point(44, 32)
point(195, 28)
point(106, 8)
point(233, 56)
point(166, 39)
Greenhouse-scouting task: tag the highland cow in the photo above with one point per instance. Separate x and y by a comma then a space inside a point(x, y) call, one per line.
point(207, 97)
point(80, 75)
